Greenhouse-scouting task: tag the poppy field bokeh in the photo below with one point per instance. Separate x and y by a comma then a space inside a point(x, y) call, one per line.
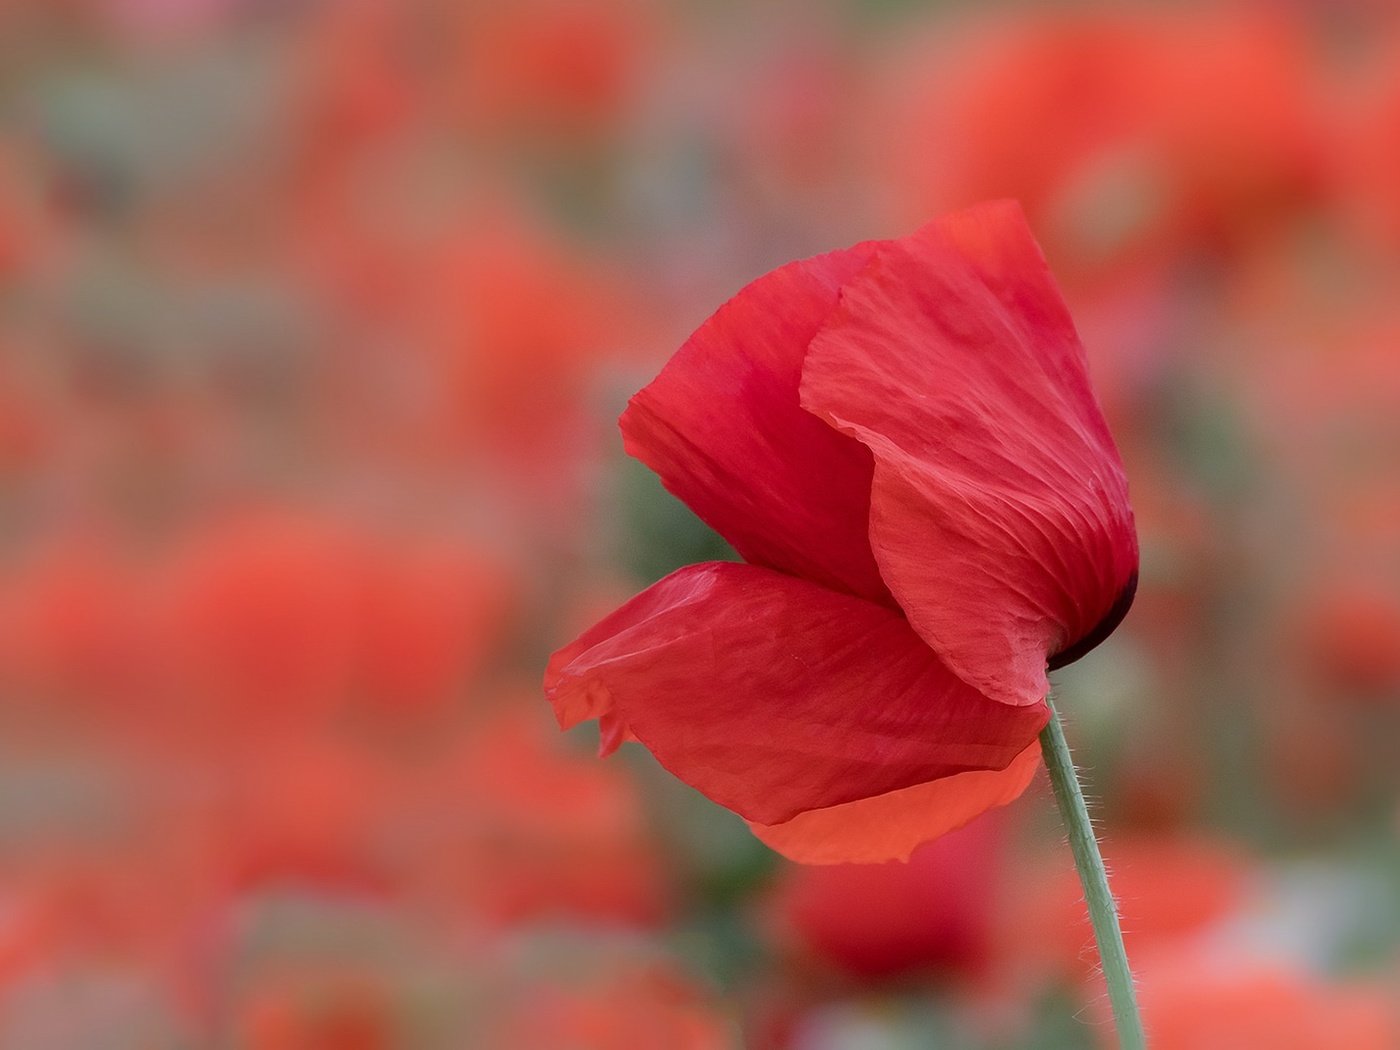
point(316, 318)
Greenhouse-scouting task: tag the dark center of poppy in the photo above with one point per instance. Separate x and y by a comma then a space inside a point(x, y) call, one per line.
point(1102, 629)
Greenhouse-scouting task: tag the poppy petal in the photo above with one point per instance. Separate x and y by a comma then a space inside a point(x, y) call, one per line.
point(773, 695)
point(893, 825)
point(999, 509)
point(722, 427)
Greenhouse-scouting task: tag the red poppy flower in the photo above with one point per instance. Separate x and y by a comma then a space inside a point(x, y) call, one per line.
point(901, 440)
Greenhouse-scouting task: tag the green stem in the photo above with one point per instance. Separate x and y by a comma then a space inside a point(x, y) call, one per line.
point(1103, 912)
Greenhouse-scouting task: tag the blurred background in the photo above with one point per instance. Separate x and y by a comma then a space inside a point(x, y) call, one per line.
point(315, 318)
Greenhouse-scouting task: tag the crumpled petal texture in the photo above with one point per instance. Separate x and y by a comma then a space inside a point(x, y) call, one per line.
point(723, 429)
point(999, 508)
point(774, 696)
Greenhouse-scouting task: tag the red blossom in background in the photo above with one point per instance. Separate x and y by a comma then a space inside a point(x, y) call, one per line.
point(1191, 1002)
point(521, 828)
point(1169, 889)
point(901, 440)
point(876, 921)
point(1132, 136)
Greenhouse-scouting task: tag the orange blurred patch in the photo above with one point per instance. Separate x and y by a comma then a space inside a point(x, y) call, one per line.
point(616, 1005)
point(257, 619)
point(1127, 135)
point(319, 1010)
point(556, 66)
point(70, 623)
point(1191, 1002)
point(1168, 889)
point(520, 829)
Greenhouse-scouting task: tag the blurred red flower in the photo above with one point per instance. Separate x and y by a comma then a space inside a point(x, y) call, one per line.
point(1350, 635)
point(1368, 150)
point(314, 1010)
point(433, 612)
point(901, 440)
point(1195, 1003)
point(521, 829)
point(283, 615)
point(1131, 135)
point(611, 1004)
point(258, 617)
point(878, 920)
point(554, 67)
point(305, 811)
point(1169, 889)
point(478, 340)
point(67, 630)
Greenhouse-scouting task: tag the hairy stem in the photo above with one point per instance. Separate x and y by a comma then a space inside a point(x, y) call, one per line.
point(1103, 912)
